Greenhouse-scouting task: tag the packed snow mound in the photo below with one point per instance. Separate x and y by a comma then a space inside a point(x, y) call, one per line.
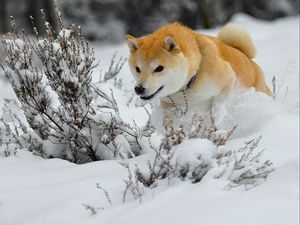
point(249, 110)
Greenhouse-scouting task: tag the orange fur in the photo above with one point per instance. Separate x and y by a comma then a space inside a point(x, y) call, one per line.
point(237, 37)
point(151, 45)
point(217, 61)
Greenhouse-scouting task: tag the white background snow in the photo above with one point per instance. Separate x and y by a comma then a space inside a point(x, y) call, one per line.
point(35, 191)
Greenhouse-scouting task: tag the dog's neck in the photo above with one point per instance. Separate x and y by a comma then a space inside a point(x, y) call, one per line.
point(189, 84)
point(186, 99)
point(185, 88)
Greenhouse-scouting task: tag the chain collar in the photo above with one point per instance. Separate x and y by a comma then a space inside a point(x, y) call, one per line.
point(178, 111)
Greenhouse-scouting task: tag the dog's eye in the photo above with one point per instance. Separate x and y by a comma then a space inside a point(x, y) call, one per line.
point(137, 69)
point(159, 69)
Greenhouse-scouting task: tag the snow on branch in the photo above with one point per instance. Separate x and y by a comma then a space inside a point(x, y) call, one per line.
point(52, 79)
point(191, 154)
point(244, 166)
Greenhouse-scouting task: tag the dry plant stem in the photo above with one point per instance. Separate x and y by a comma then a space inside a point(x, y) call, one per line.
point(67, 63)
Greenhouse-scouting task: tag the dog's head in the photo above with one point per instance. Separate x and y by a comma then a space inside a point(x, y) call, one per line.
point(158, 64)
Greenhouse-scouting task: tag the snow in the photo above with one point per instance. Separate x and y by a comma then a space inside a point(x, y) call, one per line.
point(36, 191)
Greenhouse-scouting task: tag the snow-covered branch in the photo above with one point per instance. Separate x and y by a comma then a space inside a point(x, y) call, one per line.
point(52, 79)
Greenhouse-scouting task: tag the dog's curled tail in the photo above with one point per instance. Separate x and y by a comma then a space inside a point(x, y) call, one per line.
point(237, 37)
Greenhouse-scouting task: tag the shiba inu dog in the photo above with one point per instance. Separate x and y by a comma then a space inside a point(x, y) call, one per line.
point(174, 60)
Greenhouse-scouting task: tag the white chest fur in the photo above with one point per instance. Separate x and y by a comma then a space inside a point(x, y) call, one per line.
point(200, 96)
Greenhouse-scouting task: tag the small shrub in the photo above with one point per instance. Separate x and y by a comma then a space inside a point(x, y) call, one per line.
point(67, 115)
point(244, 166)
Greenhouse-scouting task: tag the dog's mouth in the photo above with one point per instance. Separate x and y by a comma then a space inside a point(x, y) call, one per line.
point(151, 96)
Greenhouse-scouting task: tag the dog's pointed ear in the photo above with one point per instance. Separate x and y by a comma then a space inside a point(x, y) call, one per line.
point(170, 44)
point(132, 43)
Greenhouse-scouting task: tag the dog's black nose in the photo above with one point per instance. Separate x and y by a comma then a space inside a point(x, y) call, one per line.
point(139, 90)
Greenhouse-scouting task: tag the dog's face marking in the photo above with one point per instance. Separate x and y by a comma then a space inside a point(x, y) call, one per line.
point(158, 66)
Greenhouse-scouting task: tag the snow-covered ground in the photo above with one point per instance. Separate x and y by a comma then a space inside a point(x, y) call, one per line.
point(35, 191)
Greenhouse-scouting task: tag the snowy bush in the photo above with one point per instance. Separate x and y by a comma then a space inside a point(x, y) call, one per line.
point(67, 116)
point(191, 154)
point(167, 156)
point(15, 134)
point(244, 166)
